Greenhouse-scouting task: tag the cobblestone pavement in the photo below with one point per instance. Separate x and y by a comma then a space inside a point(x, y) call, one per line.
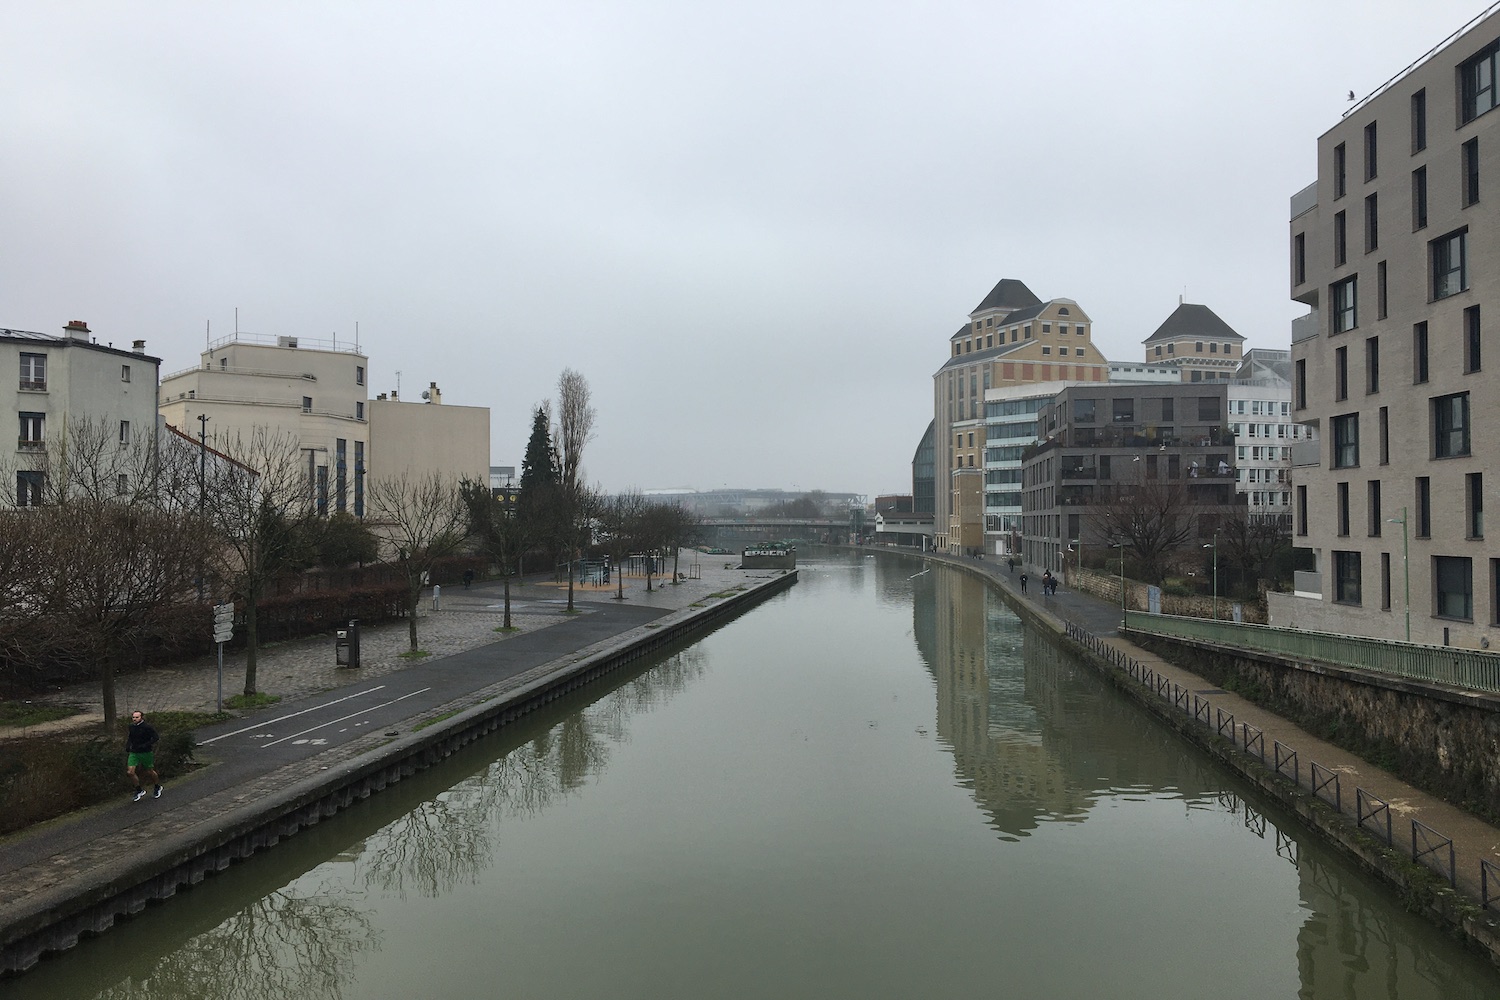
point(464, 620)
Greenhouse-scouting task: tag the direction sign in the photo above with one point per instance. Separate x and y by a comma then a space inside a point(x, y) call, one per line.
point(223, 622)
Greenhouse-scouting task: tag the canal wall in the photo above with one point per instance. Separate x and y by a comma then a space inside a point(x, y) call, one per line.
point(56, 921)
point(1444, 740)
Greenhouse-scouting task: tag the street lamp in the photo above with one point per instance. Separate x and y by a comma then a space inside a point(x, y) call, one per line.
point(1215, 546)
point(1405, 566)
point(1121, 547)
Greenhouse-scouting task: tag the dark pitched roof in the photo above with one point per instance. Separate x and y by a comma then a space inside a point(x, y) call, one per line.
point(988, 354)
point(1008, 294)
point(1188, 320)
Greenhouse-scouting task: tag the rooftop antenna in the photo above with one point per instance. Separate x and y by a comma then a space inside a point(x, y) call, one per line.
point(208, 325)
point(398, 383)
point(236, 322)
point(356, 335)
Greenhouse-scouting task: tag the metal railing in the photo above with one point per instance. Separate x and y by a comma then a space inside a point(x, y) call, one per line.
point(1372, 814)
point(1463, 668)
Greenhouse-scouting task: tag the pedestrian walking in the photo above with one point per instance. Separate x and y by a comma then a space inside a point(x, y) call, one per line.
point(468, 578)
point(1023, 583)
point(140, 755)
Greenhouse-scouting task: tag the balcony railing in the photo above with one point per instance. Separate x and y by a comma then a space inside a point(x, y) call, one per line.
point(34, 385)
point(1304, 200)
point(1305, 453)
point(1307, 326)
point(1307, 582)
point(30, 444)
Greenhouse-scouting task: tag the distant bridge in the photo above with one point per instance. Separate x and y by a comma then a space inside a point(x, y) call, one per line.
point(754, 529)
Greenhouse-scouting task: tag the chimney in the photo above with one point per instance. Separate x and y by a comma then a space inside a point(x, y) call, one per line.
point(77, 330)
point(139, 347)
point(434, 394)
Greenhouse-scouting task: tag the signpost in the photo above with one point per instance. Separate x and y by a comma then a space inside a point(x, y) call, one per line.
point(223, 632)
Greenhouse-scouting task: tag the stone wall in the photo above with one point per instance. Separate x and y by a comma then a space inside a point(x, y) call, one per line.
point(1108, 587)
point(1444, 740)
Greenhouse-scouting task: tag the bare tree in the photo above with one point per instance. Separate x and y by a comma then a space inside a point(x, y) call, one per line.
point(575, 425)
point(621, 529)
point(1252, 543)
point(670, 526)
point(111, 569)
point(1153, 520)
point(423, 518)
point(257, 495)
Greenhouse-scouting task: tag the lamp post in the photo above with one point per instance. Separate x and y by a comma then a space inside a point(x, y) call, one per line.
point(1121, 547)
point(1215, 546)
point(1076, 544)
point(1405, 566)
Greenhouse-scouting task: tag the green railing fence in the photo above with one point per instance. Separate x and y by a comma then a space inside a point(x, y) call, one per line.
point(1463, 668)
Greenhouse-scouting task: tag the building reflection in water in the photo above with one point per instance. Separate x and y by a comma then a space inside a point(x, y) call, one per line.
point(1038, 738)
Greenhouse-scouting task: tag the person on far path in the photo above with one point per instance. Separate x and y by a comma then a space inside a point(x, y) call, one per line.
point(1023, 583)
point(140, 755)
point(468, 578)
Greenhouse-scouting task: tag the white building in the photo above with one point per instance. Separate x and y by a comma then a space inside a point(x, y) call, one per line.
point(1260, 417)
point(312, 391)
point(418, 440)
point(70, 383)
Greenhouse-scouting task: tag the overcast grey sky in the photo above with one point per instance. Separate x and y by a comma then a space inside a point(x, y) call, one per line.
point(751, 227)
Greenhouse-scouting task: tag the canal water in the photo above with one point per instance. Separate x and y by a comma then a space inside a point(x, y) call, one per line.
point(878, 784)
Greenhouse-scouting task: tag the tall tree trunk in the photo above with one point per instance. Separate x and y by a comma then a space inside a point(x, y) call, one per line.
point(571, 566)
point(107, 692)
point(507, 603)
point(413, 598)
point(252, 639)
point(676, 553)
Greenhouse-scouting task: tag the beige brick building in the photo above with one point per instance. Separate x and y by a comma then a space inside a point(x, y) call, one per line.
point(1012, 338)
point(1393, 249)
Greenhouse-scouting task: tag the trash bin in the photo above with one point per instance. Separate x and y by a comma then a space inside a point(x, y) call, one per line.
point(346, 645)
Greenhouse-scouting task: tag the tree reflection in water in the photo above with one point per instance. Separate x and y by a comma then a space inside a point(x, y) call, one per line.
point(291, 943)
point(448, 840)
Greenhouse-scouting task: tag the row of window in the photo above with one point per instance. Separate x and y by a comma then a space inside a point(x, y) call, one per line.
point(1260, 408)
point(1017, 334)
point(34, 372)
point(32, 434)
point(1448, 259)
point(1452, 584)
point(1422, 512)
point(1213, 348)
point(1087, 410)
point(1449, 421)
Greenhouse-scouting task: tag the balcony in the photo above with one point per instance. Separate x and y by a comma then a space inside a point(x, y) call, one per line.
point(1081, 472)
point(28, 444)
point(1306, 583)
point(1305, 453)
point(1307, 327)
point(1304, 201)
point(33, 385)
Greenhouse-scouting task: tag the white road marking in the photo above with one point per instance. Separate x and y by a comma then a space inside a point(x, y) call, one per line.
point(293, 715)
point(335, 722)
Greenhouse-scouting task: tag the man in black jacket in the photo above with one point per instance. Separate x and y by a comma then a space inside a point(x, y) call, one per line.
point(140, 750)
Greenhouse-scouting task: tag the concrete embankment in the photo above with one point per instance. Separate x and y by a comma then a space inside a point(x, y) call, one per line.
point(133, 870)
point(1196, 707)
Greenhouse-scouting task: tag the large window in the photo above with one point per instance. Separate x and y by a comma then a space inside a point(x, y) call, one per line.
point(1454, 582)
point(33, 430)
point(1208, 408)
point(1124, 410)
point(1450, 269)
point(33, 371)
point(1346, 304)
point(1477, 78)
point(1346, 577)
point(1450, 425)
point(29, 488)
point(1346, 441)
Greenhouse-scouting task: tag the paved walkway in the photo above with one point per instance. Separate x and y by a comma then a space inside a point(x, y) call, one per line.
point(329, 716)
point(1473, 838)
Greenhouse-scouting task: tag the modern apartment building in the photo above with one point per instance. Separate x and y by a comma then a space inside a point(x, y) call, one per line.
point(311, 391)
point(1104, 445)
point(1012, 338)
point(72, 386)
point(1393, 249)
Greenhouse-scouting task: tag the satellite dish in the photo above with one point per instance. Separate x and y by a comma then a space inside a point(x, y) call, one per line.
point(426, 394)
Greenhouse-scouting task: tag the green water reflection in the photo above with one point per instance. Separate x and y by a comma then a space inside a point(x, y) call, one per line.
point(876, 785)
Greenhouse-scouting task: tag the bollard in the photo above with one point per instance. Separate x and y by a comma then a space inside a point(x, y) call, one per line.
point(437, 596)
